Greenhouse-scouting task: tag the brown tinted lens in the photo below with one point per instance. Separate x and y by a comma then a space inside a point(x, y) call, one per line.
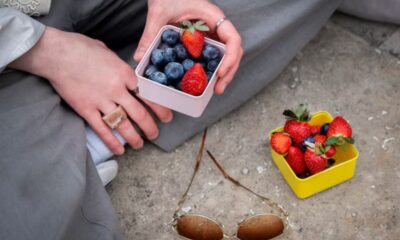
point(197, 227)
point(260, 227)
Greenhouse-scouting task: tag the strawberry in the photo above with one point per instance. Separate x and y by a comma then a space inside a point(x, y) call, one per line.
point(193, 37)
point(339, 132)
point(281, 142)
point(315, 162)
point(330, 151)
point(194, 81)
point(315, 130)
point(320, 139)
point(295, 160)
point(297, 125)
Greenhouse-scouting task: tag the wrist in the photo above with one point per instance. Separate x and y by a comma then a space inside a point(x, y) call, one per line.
point(40, 59)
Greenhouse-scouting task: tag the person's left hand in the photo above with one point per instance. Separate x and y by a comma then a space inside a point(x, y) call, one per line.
point(162, 12)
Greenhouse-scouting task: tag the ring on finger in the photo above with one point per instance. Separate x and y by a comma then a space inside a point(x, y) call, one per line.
point(114, 118)
point(219, 22)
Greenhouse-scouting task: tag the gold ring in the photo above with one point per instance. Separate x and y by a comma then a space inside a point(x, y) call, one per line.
point(114, 118)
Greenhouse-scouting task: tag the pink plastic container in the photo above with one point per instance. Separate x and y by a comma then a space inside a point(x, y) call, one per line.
point(169, 97)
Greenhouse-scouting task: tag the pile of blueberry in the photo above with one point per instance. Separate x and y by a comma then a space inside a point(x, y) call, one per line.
point(170, 61)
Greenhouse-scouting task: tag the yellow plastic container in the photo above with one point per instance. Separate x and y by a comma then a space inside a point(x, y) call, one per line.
point(342, 170)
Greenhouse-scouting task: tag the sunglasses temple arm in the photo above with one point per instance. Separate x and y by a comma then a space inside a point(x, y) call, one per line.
point(237, 183)
point(199, 157)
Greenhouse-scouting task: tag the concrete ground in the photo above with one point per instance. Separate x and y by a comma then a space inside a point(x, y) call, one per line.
point(351, 68)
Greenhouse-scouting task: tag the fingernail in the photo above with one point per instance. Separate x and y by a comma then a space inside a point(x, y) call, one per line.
point(153, 136)
point(139, 145)
point(169, 118)
point(139, 52)
point(120, 150)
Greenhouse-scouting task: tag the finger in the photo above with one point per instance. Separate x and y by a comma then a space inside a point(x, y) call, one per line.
point(224, 81)
point(104, 132)
point(153, 25)
point(138, 113)
point(228, 34)
point(130, 77)
point(125, 128)
point(129, 133)
point(164, 114)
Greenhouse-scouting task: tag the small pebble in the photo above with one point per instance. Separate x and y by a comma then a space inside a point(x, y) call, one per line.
point(294, 69)
point(384, 113)
point(378, 51)
point(260, 169)
point(370, 118)
point(372, 186)
point(385, 142)
point(186, 209)
point(245, 171)
point(354, 214)
point(375, 138)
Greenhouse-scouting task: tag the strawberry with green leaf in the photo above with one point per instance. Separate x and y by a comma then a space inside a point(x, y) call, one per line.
point(193, 37)
point(297, 125)
point(339, 133)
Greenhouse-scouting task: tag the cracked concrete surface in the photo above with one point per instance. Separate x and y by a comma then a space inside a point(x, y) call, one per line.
point(340, 71)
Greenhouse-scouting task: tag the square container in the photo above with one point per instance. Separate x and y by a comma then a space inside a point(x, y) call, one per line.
point(169, 97)
point(342, 170)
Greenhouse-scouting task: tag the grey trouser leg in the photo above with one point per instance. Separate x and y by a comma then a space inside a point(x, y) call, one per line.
point(378, 10)
point(272, 33)
point(49, 186)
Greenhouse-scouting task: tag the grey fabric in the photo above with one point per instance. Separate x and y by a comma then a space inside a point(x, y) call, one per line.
point(378, 10)
point(272, 33)
point(29, 7)
point(49, 186)
point(18, 34)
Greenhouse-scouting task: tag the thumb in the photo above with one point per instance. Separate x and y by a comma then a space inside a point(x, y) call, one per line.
point(153, 25)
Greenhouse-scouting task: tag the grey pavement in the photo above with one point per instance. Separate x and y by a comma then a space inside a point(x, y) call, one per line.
point(351, 68)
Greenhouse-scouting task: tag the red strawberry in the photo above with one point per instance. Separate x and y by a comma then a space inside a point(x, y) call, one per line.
point(330, 151)
point(295, 160)
point(320, 139)
point(193, 37)
point(297, 125)
point(315, 130)
point(339, 132)
point(281, 142)
point(315, 162)
point(194, 81)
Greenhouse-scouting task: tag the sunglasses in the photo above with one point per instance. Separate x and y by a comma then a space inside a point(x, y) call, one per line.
point(200, 227)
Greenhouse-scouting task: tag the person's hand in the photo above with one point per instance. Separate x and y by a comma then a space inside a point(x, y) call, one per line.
point(93, 81)
point(162, 12)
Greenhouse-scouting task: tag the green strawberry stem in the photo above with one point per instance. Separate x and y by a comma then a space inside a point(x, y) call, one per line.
point(301, 113)
point(199, 25)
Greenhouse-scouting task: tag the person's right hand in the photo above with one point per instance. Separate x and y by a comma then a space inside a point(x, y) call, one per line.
point(93, 81)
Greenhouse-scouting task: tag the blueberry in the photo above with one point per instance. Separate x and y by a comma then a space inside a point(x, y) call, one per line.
point(209, 75)
point(157, 57)
point(181, 52)
point(212, 65)
point(163, 46)
point(187, 63)
point(170, 55)
point(173, 71)
point(303, 145)
point(149, 70)
point(170, 37)
point(159, 77)
point(324, 128)
point(210, 52)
